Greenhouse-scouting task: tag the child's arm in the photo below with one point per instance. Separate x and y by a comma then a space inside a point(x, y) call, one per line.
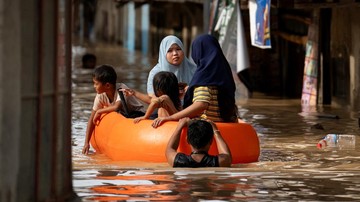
point(223, 149)
point(89, 131)
point(108, 109)
point(173, 144)
point(194, 110)
point(154, 104)
point(141, 96)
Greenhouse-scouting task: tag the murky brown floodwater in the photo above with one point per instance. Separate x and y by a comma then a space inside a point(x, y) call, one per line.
point(290, 166)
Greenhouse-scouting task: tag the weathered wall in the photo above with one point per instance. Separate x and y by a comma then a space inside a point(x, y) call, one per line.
point(345, 55)
point(35, 101)
point(10, 111)
point(355, 58)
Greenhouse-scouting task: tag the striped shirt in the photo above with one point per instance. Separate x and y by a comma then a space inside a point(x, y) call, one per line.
point(209, 95)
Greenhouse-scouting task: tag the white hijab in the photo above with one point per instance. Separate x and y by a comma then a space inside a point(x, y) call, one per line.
point(184, 72)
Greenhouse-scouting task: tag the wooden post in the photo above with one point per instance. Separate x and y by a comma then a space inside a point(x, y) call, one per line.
point(324, 46)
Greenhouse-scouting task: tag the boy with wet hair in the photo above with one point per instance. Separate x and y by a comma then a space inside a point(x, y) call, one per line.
point(200, 134)
point(107, 99)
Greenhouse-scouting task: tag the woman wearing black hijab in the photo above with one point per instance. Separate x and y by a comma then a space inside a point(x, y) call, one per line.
point(211, 92)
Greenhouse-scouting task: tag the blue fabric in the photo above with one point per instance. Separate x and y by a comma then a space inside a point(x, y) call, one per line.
point(212, 70)
point(184, 72)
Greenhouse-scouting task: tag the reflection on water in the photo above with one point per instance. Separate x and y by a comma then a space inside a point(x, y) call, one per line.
point(216, 184)
point(290, 166)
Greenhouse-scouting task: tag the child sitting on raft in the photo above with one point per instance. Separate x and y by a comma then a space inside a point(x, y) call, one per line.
point(200, 134)
point(107, 99)
point(166, 99)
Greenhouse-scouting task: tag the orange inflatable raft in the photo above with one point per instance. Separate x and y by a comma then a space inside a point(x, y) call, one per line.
point(122, 140)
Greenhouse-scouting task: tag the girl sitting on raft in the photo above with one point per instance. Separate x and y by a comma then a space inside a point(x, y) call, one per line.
point(166, 99)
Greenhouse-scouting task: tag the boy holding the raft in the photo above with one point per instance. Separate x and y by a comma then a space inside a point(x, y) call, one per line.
point(200, 134)
point(107, 99)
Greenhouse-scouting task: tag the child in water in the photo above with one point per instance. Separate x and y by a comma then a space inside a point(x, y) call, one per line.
point(88, 61)
point(200, 134)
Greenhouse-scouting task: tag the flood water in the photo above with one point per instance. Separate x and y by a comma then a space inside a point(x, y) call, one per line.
point(290, 166)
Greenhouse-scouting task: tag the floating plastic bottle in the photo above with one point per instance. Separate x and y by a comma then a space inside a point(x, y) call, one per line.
point(342, 141)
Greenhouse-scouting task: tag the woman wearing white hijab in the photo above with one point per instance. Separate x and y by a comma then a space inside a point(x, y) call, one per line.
point(172, 59)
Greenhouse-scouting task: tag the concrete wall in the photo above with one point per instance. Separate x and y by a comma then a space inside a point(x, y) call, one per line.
point(35, 101)
point(10, 116)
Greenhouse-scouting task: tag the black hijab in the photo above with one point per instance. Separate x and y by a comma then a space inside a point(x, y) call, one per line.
point(212, 70)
